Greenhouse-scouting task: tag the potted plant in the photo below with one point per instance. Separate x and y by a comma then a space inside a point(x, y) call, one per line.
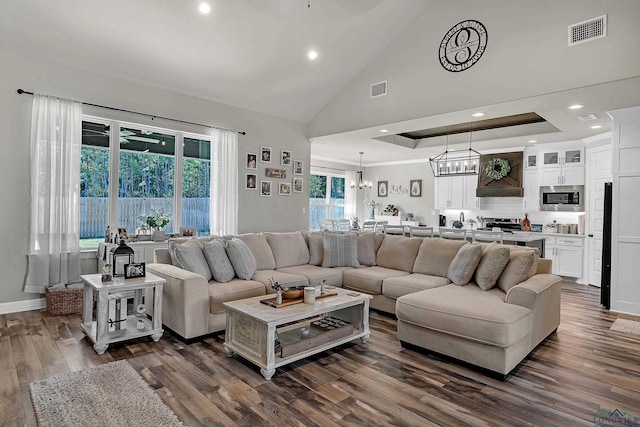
point(156, 220)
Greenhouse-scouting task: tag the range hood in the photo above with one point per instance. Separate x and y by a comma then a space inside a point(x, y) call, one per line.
point(500, 175)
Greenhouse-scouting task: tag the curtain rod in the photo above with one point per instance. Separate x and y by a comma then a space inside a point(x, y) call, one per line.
point(153, 116)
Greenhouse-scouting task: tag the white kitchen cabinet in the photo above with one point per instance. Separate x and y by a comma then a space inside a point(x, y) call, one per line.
point(449, 192)
point(562, 156)
point(457, 192)
point(531, 199)
point(562, 175)
point(566, 254)
point(470, 201)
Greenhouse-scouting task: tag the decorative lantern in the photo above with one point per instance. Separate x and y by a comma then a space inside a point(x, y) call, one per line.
point(120, 256)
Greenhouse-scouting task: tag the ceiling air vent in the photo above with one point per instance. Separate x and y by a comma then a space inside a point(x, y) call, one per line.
point(378, 89)
point(586, 31)
point(588, 117)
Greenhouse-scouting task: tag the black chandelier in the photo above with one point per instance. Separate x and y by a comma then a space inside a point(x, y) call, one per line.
point(456, 162)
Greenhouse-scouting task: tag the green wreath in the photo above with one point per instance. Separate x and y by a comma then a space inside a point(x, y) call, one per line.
point(497, 169)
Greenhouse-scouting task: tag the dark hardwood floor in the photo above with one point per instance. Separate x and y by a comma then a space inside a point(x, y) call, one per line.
point(576, 374)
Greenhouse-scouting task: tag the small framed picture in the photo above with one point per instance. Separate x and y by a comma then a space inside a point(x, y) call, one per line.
point(285, 158)
point(383, 188)
point(298, 167)
point(188, 231)
point(265, 154)
point(297, 185)
point(252, 159)
point(265, 188)
point(284, 189)
point(133, 270)
point(415, 188)
point(250, 181)
point(122, 234)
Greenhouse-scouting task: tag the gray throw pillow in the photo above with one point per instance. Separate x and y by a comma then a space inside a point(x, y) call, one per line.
point(493, 261)
point(367, 249)
point(464, 264)
point(216, 256)
point(340, 249)
point(517, 270)
point(316, 249)
point(242, 259)
point(189, 255)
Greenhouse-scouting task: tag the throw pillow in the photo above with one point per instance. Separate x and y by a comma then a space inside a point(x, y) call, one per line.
point(493, 261)
point(517, 270)
point(189, 255)
point(316, 249)
point(242, 259)
point(260, 249)
point(367, 249)
point(288, 249)
point(464, 264)
point(216, 256)
point(340, 249)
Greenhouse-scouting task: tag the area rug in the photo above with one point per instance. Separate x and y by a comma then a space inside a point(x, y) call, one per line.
point(113, 394)
point(626, 326)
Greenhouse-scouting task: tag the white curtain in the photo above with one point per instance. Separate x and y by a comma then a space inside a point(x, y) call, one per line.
point(54, 240)
point(224, 182)
point(350, 194)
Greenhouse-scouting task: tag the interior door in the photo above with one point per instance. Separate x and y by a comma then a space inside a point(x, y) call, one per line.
point(598, 172)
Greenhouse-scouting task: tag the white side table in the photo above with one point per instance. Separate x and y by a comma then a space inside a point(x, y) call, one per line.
point(97, 330)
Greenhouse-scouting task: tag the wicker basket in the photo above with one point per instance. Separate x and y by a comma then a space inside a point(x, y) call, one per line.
point(64, 301)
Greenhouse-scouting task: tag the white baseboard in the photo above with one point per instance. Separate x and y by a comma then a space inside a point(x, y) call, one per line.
point(25, 305)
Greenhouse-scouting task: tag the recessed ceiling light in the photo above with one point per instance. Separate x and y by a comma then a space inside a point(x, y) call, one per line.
point(575, 106)
point(478, 114)
point(533, 141)
point(596, 126)
point(384, 130)
point(312, 54)
point(204, 8)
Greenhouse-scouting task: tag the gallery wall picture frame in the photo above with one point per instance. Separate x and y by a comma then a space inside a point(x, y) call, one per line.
point(134, 269)
point(265, 154)
point(284, 188)
point(252, 161)
point(383, 188)
point(298, 167)
point(415, 188)
point(285, 157)
point(251, 181)
point(265, 188)
point(298, 184)
point(188, 231)
point(275, 173)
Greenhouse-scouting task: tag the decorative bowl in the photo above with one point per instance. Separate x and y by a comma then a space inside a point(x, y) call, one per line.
point(292, 293)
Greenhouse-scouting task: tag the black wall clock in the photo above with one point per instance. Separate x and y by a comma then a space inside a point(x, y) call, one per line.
point(463, 45)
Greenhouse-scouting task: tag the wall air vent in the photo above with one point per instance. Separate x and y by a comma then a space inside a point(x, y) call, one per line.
point(586, 31)
point(378, 89)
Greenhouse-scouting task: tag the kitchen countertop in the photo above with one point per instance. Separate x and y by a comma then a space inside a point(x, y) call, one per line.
point(534, 233)
point(529, 236)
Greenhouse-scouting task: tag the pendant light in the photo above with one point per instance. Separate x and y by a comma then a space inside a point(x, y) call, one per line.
point(361, 184)
point(454, 162)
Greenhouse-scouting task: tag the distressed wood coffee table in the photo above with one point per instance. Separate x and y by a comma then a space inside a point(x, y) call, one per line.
point(271, 337)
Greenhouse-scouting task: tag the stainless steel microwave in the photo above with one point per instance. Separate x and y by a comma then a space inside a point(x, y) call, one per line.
point(562, 198)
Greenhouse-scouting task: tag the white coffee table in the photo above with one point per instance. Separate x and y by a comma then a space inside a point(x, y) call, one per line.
point(253, 328)
point(97, 330)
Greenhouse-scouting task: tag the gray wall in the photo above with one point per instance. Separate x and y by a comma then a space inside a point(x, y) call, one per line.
point(527, 55)
point(276, 213)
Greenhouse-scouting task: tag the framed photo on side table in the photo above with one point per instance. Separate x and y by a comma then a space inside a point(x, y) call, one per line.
point(188, 231)
point(133, 270)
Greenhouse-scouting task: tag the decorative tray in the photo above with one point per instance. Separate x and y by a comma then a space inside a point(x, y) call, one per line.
point(285, 302)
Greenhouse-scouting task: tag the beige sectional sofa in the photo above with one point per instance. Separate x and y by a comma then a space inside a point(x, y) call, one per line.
point(412, 278)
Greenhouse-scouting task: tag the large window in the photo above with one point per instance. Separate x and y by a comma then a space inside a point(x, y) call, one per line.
point(146, 169)
point(326, 198)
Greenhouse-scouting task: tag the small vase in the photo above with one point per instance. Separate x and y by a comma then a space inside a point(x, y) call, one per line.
point(526, 224)
point(279, 297)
